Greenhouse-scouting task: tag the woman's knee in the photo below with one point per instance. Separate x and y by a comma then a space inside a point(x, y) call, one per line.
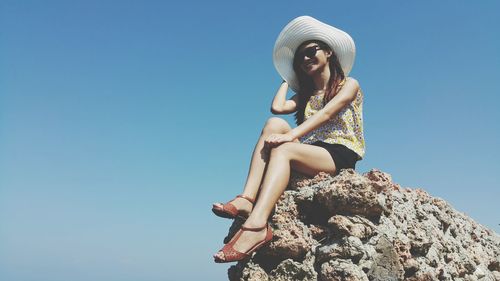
point(275, 125)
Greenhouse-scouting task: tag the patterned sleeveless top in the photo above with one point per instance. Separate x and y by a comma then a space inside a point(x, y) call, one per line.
point(345, 128)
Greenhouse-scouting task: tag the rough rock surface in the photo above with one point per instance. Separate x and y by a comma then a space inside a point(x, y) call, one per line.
point(365, 227)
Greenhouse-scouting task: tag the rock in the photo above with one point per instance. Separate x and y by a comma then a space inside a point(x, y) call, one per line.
point(386, 264)
point(248, 272)
point(365, 227)
point(353, 194)
point(292, 270)
point(341, 270)
point(351, 226)
point(292, 238)
point(347, 248)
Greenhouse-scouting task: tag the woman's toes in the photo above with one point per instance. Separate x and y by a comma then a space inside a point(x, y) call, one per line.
point(219, 255)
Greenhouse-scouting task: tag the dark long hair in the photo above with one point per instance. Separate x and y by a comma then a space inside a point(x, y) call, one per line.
point(306, 82)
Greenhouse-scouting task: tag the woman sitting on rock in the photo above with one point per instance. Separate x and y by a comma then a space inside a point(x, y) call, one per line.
point(314, 59)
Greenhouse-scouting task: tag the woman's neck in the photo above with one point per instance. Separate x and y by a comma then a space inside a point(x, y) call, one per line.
point(321, 78)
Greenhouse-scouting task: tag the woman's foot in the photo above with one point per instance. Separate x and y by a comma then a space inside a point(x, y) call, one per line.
point(247, 240)
point(240, 206)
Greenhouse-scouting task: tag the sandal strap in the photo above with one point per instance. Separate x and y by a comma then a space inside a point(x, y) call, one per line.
point(253, 228)
point(251, 200)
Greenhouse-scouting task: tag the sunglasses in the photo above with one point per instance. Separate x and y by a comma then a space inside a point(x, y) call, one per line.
point(310, 52)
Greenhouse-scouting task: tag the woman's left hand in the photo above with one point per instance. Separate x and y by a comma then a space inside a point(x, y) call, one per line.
point(274, 140)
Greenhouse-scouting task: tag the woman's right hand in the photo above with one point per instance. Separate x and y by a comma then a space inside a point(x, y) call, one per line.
point(274, 140)
point(280, 105)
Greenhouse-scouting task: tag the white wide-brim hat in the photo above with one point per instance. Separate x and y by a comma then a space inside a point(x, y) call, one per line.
point(306, 28)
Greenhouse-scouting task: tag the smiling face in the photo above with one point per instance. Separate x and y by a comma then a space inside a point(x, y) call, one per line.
point(312, 57)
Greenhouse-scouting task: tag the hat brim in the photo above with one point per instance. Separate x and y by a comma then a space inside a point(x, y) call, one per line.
point(305, 28)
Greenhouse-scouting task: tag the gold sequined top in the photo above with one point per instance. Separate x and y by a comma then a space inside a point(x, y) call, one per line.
point(345, 128)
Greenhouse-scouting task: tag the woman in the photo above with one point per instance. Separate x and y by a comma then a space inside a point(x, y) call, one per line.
point(314, 59)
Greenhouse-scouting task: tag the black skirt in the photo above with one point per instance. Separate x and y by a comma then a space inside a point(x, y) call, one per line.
point(342, 156)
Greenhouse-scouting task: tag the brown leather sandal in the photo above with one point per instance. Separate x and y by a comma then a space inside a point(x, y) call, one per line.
point(230, 254)
point(229, 211)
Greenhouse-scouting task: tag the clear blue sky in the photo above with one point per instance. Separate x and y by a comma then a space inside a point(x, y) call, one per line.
point(122, 121)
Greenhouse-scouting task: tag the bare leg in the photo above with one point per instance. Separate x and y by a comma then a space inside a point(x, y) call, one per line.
point(305, 158)
point(259, 161)
point(261, 155)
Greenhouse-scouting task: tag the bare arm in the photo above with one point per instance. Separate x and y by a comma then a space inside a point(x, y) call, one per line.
point(282, 106)
point(345, 96)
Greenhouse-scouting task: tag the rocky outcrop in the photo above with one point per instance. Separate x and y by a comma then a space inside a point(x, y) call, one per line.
point(365, 227)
